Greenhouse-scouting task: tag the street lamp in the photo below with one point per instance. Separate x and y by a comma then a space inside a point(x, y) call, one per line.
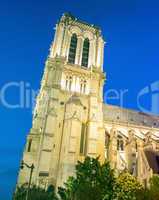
point(31, 167)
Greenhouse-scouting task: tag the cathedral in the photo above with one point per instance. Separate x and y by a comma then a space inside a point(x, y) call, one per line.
point(71, 121)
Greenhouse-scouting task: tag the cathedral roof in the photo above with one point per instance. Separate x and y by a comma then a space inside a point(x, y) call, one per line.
point(118, 114)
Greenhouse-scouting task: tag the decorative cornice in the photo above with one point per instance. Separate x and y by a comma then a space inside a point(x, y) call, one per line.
point(68, 18)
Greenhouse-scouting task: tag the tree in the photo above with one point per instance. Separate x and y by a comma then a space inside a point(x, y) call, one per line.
point(35, 193)
point(127, 187)
point(93, 181)
point(154, 188)
point(152, 192)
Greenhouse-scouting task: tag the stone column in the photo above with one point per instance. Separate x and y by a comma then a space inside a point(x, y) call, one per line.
point(79, 50)
point(58, 40)
point(91, 60)
point(70, 140)
point(68, 45)
point(54, 44)
point(131, 153)
point(73, 83)
point(102, 54)
point(113, 148)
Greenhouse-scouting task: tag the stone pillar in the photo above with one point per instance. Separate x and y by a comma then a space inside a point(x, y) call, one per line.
point(91, 60)
point(131, 153)
point(57, 45)
point(70, 139)
point(73, 83)
point(54, 44)
point(68, 46)
point(65, 43)
point(79, 51)
point(113, 148)
point(100, 46)
point(102, 54)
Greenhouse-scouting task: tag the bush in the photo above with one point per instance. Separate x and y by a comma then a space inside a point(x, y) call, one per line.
point(127, 187)
point(35, 193)
point(154, 188)
point(93, 181)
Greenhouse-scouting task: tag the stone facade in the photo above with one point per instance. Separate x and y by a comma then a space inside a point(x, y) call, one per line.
point(70, 120)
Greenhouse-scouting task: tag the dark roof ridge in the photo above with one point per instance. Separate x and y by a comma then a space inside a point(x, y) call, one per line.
point(132, 110)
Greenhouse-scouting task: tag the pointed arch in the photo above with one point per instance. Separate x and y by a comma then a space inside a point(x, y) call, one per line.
point(120, 143)
point(85, 53)
point(83, 84)
point(107, 144)
point(72, 50)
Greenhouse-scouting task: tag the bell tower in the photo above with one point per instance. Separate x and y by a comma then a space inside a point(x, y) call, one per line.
point(68, 117)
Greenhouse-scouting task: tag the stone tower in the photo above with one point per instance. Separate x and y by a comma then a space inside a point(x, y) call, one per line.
point(68, 117)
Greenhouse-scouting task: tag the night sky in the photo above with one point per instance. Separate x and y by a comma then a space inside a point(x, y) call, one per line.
point(131, 61)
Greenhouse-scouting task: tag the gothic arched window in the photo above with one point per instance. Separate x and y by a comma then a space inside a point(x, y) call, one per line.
point(68, 83)
point(29, 145)
point(83, 86)
point(120, 143)
point(72, 50)
point(107, 140)
point(85, 53)
point(107, 144)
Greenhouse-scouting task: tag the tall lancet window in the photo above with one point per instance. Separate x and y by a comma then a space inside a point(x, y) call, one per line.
point(83, 84)
point(72, 50)
point(120, 143)
point(85, 53)
point(68, 84)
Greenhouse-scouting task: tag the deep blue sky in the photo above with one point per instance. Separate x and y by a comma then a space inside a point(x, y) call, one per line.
point(131, 29)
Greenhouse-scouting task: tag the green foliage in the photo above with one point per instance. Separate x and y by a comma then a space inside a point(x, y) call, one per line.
point(154, 188)
point(70, 189)
point(93, 182)
point(35, 193)
point(143, 194)
point(131, 189)
point(152, 192)
point(127, 187)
